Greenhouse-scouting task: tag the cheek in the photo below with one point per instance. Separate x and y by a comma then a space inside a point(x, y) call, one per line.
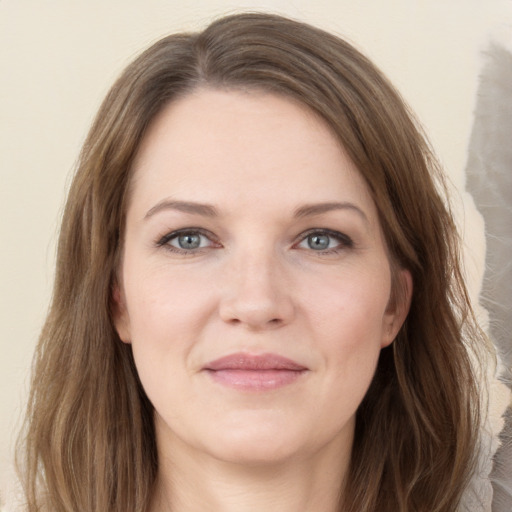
point(348, 319)
point(351, 306)
point(167, 314)
point(165, 305)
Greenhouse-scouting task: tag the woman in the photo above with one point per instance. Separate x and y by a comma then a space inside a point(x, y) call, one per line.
point(258, 300)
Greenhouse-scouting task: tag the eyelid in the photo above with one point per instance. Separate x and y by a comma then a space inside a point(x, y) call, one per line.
point(164, 240)
point(344, 240)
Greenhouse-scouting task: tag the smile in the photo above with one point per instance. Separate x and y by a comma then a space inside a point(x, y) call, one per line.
point(254, 372)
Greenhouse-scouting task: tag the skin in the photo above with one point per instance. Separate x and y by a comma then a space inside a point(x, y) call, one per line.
point(257, 284)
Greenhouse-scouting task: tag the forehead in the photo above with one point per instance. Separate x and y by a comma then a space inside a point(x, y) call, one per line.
point(248, 144)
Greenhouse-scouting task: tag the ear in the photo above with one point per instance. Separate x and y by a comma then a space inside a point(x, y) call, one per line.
point(398, 306)
point(120, 314)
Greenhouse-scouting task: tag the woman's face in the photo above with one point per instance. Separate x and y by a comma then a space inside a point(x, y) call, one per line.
point(255, 282)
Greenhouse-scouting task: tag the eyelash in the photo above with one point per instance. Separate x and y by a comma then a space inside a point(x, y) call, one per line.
point(344, 241)
point(164, 241)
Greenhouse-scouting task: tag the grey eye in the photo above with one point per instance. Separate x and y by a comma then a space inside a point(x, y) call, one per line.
point(189, 241)
point(318, 242)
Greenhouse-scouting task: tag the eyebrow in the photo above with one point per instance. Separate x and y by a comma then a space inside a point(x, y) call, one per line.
point(317, 209)
point(205, 210)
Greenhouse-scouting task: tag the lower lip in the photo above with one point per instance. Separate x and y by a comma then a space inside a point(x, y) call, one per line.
point(255, 380)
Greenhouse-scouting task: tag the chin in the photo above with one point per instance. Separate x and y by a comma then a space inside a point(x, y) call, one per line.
point(266, 440)
point(256, 450)
point(254, 438)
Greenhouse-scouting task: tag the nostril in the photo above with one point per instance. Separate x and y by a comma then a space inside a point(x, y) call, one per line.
point(257, 306)
point(273, 322)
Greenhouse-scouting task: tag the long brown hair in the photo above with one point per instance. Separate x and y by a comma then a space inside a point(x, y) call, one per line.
point(89, 442)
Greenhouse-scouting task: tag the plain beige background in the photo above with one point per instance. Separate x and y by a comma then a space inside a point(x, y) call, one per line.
point(58, 58)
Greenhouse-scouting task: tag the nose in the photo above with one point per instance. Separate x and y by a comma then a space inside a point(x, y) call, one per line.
point(256, 293)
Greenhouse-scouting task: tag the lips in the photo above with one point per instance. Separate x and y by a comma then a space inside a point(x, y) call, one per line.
point(254, 372)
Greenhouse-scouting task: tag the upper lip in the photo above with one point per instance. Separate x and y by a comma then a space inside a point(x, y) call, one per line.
point(243, 361)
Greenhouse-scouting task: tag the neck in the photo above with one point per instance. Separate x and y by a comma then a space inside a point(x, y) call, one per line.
point(198, 483)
